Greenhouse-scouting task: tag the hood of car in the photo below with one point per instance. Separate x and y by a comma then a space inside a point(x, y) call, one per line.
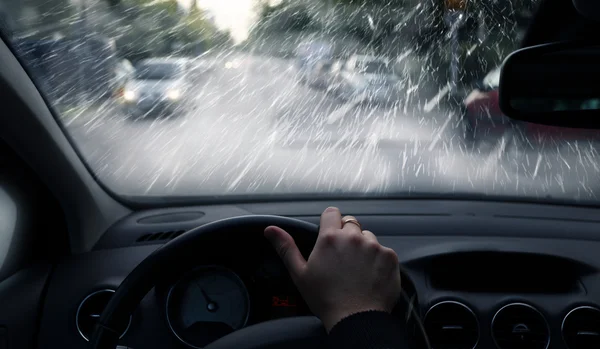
point(366, 80)
point(154, 86)
point(380, 78)
point(376, 77)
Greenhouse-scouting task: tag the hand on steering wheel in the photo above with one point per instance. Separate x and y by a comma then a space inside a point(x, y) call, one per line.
point(347, 272)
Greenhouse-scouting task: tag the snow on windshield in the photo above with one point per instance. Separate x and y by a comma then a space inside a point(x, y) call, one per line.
point(269, 104)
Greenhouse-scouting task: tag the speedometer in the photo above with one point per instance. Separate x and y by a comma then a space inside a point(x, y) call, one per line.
point(207, 304)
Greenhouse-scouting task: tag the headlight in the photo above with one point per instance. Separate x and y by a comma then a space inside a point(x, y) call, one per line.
point(232, 64)
point(173, 95)
point(130, 95)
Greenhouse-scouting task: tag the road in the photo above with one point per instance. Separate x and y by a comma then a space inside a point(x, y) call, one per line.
point(253, 128)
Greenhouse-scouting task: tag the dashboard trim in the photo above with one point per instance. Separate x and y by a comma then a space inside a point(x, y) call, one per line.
point(453, 227)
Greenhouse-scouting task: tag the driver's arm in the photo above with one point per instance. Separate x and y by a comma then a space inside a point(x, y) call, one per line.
point(350, 281)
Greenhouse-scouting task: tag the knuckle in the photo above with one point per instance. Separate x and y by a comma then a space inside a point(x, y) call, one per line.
point(355, 239)
point(373, 246)
point(390, 255)
point(283, 249)
point(329, 239)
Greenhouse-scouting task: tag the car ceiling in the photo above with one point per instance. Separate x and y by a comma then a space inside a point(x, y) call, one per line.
point(558, 20)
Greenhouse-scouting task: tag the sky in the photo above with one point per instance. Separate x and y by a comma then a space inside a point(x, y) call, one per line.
point(236, 16)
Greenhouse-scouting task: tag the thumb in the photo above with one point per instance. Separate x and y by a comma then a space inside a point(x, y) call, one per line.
point(286, 249)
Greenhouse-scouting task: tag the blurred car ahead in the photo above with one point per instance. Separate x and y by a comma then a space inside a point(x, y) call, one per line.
point(366, 78)
point(159, 85)
point(482, 117)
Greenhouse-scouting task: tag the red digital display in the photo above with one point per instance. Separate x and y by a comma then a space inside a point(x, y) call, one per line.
point(283, 301)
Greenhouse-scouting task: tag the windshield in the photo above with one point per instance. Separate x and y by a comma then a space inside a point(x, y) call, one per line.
point(260, 116)
point(375, 68)
point(492, 80)
point(157, 71)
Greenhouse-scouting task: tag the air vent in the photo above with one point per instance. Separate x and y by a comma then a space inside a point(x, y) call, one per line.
point(89, 312)
point(171, 217)
point(451, 325)
point(581, 328)
point(160, 236)
point(520, 326)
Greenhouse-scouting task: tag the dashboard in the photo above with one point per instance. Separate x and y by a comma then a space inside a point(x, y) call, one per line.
point(474, 274)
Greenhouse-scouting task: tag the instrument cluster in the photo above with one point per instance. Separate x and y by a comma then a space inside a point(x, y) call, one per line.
point(211, 301)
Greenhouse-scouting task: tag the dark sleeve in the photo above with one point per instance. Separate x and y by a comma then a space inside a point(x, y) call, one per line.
point(368, 330)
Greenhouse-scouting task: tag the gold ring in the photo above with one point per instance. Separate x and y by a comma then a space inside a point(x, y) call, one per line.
point(351, 220)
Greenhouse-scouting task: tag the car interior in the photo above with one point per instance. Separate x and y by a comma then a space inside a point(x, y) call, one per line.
point(81, 267)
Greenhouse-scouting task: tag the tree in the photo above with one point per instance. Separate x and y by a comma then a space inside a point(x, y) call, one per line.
point(283, 17)
point(156, 28)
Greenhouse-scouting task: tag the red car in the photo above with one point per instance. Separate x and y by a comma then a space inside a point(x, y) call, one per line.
point(482, 115)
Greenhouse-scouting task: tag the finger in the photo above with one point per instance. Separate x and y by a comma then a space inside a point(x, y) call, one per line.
point(369, 236)
point(331, 218)
point(351, 227)
point(286, 249)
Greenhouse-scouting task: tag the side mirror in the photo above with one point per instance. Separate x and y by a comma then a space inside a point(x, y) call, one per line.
point(554, 84)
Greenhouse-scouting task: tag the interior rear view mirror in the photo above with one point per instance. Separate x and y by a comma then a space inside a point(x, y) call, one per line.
point(553, 84)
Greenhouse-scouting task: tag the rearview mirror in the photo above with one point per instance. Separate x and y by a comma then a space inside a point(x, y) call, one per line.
point(553, 84)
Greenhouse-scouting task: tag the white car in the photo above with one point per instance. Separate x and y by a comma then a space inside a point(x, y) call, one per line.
point(159, 85)
point(320, 75)
point(366, 78)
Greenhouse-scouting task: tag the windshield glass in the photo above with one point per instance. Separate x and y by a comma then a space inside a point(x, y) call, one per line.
point(164, 71)
point(259, 115)
point(375, 68)
point(492, 80)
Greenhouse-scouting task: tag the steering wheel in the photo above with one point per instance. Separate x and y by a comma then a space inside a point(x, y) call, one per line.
point(295, 332)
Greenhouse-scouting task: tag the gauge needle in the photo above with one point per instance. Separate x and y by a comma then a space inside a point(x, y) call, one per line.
point(210, 305)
